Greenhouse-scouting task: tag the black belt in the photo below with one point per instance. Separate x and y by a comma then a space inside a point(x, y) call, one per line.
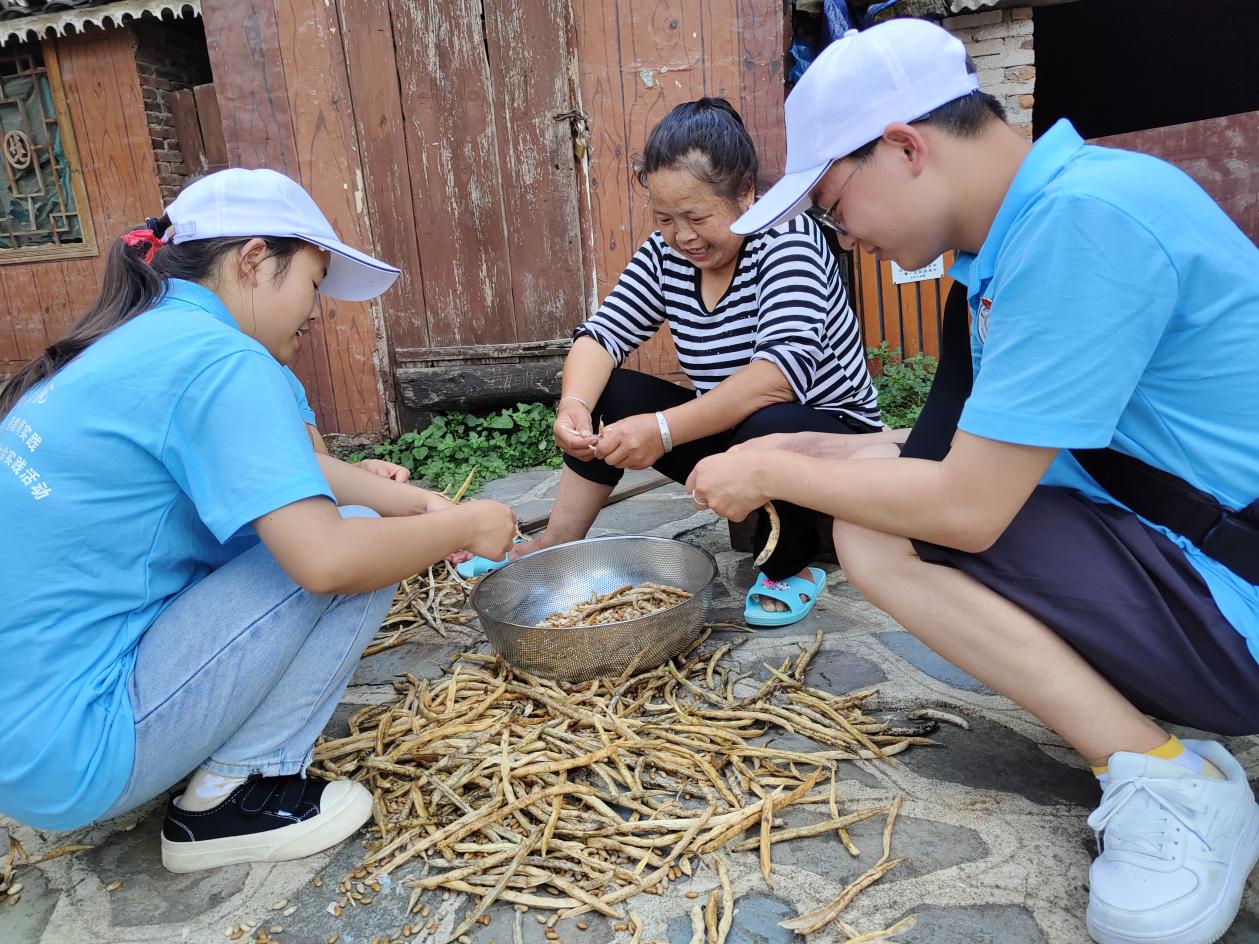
point(1230, 537)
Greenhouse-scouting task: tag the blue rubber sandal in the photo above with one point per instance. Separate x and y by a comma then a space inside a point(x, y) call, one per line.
point(788, 591)
point(475, 566)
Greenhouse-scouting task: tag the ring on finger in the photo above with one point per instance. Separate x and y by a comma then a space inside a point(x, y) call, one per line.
point(696, 499)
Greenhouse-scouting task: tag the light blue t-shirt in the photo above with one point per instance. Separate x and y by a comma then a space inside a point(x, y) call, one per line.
point(1115, 304)
point(299, 396)
point(125, 478)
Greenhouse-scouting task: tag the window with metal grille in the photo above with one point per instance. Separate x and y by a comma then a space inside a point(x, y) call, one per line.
point(43, 210)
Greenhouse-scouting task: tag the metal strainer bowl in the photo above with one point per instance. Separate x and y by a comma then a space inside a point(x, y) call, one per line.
point(512, 600)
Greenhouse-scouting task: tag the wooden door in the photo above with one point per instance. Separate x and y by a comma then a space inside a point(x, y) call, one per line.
point(471, 181)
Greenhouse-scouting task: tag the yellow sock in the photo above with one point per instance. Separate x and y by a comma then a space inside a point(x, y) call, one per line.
point(1172, 749)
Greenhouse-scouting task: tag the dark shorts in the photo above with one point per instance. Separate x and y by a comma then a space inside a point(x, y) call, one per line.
point(1128, 601)
point(629, 393)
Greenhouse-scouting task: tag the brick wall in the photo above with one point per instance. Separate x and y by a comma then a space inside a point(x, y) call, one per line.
point(170, 55)
point(1001, 43)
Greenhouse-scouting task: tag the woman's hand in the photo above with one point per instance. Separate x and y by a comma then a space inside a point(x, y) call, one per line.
point(573, 432)
point(388, 470)
point(732, 485)
point(631, 443)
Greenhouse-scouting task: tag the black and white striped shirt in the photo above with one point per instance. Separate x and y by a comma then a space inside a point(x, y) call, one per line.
point(786, 304)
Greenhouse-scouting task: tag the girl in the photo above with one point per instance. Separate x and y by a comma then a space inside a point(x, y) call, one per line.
point(193, 598)
point(763, 331)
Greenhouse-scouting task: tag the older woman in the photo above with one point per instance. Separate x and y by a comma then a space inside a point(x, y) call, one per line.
point(763, 331)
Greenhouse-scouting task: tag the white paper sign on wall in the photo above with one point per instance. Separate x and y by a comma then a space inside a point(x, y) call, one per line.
point(933, 271)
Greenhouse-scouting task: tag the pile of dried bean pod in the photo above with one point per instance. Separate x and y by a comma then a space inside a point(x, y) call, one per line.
point(576, 799)
point(623, 603)
point(436, 599)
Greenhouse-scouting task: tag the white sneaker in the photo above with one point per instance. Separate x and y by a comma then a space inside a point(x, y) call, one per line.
point(1175, 850)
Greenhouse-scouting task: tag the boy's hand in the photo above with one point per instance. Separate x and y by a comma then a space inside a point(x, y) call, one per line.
point(730, 484)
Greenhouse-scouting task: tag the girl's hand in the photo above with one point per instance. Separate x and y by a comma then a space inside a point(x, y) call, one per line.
point(491, 527)
point(386, 470)
point(573, 432)
point(434, 502)
point(431, 502)
point(631, 443)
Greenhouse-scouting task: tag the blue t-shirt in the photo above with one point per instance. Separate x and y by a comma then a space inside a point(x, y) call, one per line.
point(299, 396)
point(1115, 304)
point(125, 478)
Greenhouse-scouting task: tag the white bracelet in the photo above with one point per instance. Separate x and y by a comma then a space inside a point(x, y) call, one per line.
point(578, 399)
point(664, 432)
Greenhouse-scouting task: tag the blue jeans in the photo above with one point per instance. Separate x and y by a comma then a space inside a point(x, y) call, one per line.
point(241, 673)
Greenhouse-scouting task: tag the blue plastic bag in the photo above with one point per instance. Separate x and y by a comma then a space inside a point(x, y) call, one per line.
point(803, 53)
point(838, 20)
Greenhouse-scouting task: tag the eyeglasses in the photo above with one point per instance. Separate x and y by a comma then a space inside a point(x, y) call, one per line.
point(826, 217)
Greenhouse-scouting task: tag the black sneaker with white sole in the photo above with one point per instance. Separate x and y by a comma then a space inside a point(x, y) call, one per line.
point(265, 819)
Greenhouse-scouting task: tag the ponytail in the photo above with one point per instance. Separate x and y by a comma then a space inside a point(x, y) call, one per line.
point(136, 269)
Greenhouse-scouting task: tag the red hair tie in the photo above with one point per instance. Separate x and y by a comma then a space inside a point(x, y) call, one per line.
point(143, 237)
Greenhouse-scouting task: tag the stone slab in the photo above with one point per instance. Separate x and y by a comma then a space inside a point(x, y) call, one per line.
point(993, 822)
point(936, 666)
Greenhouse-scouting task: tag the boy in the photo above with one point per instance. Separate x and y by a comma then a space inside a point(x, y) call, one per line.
point(1105, 288)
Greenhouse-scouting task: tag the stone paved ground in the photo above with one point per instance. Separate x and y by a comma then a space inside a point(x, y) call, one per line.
point(993, 821)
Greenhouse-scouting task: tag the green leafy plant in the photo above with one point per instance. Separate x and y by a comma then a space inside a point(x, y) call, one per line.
point(444, 452)
point(902, 383)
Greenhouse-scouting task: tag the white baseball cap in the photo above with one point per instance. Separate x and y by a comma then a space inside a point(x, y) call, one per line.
point(896, 71)
point(240, 202)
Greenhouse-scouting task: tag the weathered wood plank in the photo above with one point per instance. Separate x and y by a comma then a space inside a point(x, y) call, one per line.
point(42, 300)
point(243, 42)
point(183, 108)
point(106, 107)
point(1221, 154)
point(719, 36)
point(210, 124)
point(662, 65)
point(25, 320)
point(478, 386)
point(596, 25)
point(368, 37)
point(452, 144)
point(763, 37)
point(539, 170)
point(619, 494)
point(346, 385)
point(558, 347)
point(100, 80)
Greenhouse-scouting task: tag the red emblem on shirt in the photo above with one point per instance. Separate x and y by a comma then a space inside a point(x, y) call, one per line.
point(981, 318)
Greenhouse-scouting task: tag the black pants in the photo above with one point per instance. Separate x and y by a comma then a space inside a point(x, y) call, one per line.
point(629, 393)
